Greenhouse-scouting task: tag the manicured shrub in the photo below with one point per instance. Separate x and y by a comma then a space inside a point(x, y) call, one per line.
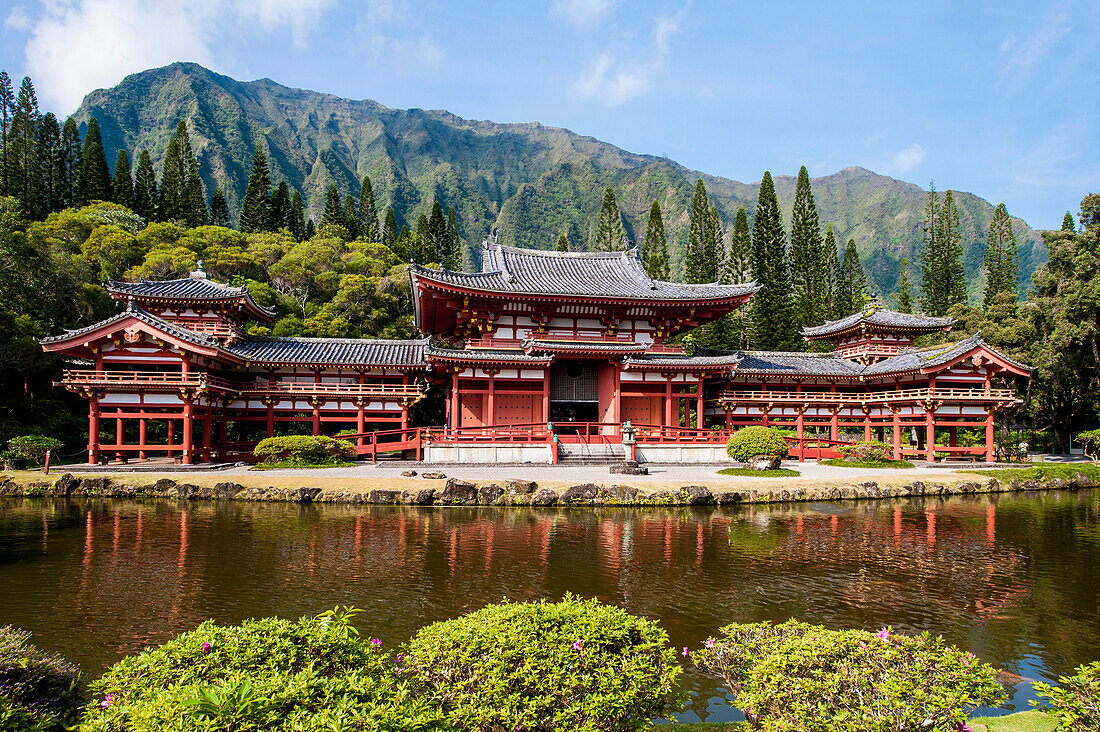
point(311, 675)
point(32, 447)
point(573, 665)
point(303, 449)
point(795, 677)
point(748, 442)
point(867, 451)
point(1075, 702)
point(39, 692)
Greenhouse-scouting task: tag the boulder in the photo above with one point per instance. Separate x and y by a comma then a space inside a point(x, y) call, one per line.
point(433, 475)
point(303, 495)
point(424, 497)
point(408, 473)
point(697, 495)
point(764, 462)
point(65, 485)
point(545, 497)
point(520, 487)
point(1083, 481)
point(628, 467)
point(227, 491)
point(618, 494)
point(584, 493)
point(728, 498)
point(95, 486)
point(458, 493)
point(384, 497)
point(165, 487)
point(490, 495)
point(188, 491)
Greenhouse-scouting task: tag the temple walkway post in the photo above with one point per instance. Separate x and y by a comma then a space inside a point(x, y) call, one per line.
point(897, 433)
point(929, 434)
point(143, 436)
point(93, 430)
point(188, 424)
point(990, 454)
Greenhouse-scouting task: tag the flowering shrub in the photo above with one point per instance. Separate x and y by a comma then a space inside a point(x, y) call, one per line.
point(798, 677)
point(748, 442)
point(1075, 702)
point(39, 692)
point(311, 675)
point(303, 449)
point(572, 665)
point(33, 447)
point(867, 450)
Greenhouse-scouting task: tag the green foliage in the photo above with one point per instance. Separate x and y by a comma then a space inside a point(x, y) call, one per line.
point(905, 299)
point(608, 234)
point(867, 451)
point(808, 254)
point(943, 275)
point(1001, 260)
point(853, 463)
point(312, 675)
point(798, 677)
point(654, 252)
point(1041, 472)
point(1090, 440)
point(33, 447)
point(749, 472)
point(39, 692)
point(182, 197)
point(1075, 702)
point(851, 283)
point(303, 449)
point(571, 665)
point(748, 442)
point(772, 310)
point(703, 257)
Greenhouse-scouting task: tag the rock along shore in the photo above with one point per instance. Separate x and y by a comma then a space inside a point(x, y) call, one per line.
point(455, 492)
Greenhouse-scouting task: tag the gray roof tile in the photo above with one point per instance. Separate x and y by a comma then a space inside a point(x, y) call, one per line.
point(334, 351)
point(188, 288)
point(171, 329)
point(881, 317)
point(485, 354)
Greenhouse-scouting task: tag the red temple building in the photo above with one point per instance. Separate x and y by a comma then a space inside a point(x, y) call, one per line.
point(543, 356)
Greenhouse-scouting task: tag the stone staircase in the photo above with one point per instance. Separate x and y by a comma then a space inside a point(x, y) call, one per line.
point(590, 454)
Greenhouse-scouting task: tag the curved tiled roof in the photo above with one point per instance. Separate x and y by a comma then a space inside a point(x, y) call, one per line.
point(184, 334)
point(602, 274)
point(549, 344)
point(188, 288)
point(342, 351)
point(682, 361)
point(921, 358)
point(792, 362)
point(484, 354)
point(880, 317)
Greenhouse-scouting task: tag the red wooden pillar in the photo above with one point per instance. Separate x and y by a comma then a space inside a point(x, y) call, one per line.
point(361, 420)
point(404, 404)
point(316, 415)
point(799, 425)
point(208, 432)
point(546, 395)
point(93, 430)
point(866, 424)
point(834, 423)
point(989, 450)
point(491, 417)
point(143, 433)
point(171, 425)
point(897, 434)
point(223, 434)
point(929, 434)
point(699, 405)
point(454, 420)
point(270, 402)
point(668, 400)
point(188, 424)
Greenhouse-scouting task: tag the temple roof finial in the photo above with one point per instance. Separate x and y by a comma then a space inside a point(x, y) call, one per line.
point(199, 273)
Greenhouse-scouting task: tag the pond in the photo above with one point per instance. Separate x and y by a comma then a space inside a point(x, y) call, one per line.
point(1013, 578)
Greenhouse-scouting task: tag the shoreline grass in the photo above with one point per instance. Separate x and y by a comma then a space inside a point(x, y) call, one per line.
point(750, 473)
point(1019, 722)
point(874, 464)
point(1042, 471)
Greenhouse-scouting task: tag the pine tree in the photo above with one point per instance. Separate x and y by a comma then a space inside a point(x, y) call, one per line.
point(23, 176)
point(609, 234)
point(655, 245)
point(563, 243)
point(772, 311)
point(703, 254)
point(219, 209)
point(368, 211)
point(422, 246)
point(739, 261)
point(256, 204)
point(52, 177)
point(278, 215)
point(1002, 261)
point(70, 153)
point(1068, 224)
point(831, 268)
point(310, 231)
point(435, 239)
point(296, 219)
point(122, 182)
point(333, 212)
point(350, 217)
point(7, 111)
point(852, 283)
point(181, 194)
point(454, 241)
point(388, 235)
point(146, 197)
point(807, 282)
point(905, 300)
point(94, 183)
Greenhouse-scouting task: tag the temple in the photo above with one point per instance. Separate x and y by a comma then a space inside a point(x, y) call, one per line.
point(542, 357)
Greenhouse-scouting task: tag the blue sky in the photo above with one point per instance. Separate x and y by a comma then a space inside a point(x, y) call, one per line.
point(995, 98)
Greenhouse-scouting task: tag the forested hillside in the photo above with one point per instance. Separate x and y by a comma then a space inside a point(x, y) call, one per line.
point(529, 181)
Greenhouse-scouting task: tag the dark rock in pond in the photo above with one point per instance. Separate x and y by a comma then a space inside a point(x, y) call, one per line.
point(384, 497)
point(727, 498)
point(424, 497)
point(66, 484)
point(1083, 481)
point(662, 498)
point(490, 495)
point(433, 475)
point(165, 487)
point(628, 467)
point(545, 497)
point(764, 462)
point(520, 487)
point(95, 486)
point(697, 495)
point(618, 494)
point(1056, 483)
point(458, 493)
point(915, 488)
point(583, 493)
point(227, 490)
point(1031, 485)
point(303, 495)
point(408, 473)
point(188, 491)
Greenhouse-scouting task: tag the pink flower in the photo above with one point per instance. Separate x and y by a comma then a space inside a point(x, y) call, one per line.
point(399, 658)
point(883, 634)
point(963, 727)
point(862, 644)
point(685, 651)
point(206, 647)
point(376, 642)
point(710, 643)
point(108, 700)
point(577, 644)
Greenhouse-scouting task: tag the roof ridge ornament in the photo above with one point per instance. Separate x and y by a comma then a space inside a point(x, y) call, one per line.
point(872, 306)
point(200, 272)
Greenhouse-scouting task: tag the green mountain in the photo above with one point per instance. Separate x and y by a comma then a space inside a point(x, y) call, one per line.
point(528, 181)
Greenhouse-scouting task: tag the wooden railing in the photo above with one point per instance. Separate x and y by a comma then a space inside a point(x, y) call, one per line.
point(352, 390)
point(145, 379)
point(880, 397)
point(388, 441)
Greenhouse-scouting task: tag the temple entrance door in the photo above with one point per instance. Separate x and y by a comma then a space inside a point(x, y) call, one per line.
point(574, 398)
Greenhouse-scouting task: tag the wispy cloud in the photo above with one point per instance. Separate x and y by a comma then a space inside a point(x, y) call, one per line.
point(1020, 54)
point(613, 78)
point(17, 19)
point(395, 29)
point(582, 13)
point(906, 159)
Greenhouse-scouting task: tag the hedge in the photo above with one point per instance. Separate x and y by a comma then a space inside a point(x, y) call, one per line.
point(303, 449)
point(748, 442)
point(1075, 704)
point(39, 692)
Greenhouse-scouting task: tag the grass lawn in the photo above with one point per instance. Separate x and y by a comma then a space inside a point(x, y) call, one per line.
point(1021, 722)
point(749, 472)
point(842, 463)
point(295, 465)
point(1041, 471)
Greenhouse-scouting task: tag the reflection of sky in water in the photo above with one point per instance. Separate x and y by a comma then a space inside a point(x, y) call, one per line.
point(1011, 578)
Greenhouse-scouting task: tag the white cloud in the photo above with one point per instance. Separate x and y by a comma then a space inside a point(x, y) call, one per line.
point(906, 159)
point(18, 20)
point(582, 13)
point(79, 45)
point(1022, 54)
point(394, 29)
point(613, 79)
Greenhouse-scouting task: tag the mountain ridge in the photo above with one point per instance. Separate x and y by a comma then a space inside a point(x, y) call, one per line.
point(527, 180)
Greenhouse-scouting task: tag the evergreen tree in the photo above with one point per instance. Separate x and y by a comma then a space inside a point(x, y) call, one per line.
point(181, 193)
point(7, 111)
point(807, 280)
point(310, 231)
point(772, 311)
point(421, 246)
point(609, 234)
point(905, 300)
point(122, 182)
point(655, 246)
point(23, 175)
point(388, 236)
point(953, 270)
point(831, 269)
point(334, 211)
point(1067, 223)
point(52, 177)
point(454, 241)
point(70, 153)
point(219, 209)
point(435, 239)
point(256, 204)
point(94, 182)
point(703, 255)
point(739, 261)
point(852, 283)
point(563, 243)
point(278, 216)
point(1002, 261)
point(368, 211)
point(296, 219)
point(350, 217)
point(146, 197)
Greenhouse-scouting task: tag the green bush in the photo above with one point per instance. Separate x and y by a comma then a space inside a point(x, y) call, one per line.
point(573, 665)
point(311, 675)
point(795, 677)
point(32, 447)
point(748, 442)
point(1075, 702)
point(867, 451)
point(39, 692)
point(304, 449)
